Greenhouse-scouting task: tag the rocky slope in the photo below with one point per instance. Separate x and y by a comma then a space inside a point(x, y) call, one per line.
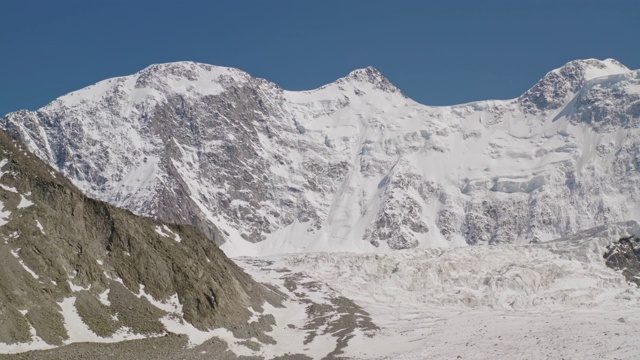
point(354, 165)
point(77, 269)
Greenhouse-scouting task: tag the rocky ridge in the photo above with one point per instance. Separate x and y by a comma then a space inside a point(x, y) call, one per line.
point(77, 269)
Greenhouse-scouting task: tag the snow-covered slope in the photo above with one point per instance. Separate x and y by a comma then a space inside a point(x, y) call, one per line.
point(354, 165)
point(549, 300)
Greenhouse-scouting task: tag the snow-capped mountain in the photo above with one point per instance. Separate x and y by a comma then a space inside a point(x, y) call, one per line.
point(354, 165)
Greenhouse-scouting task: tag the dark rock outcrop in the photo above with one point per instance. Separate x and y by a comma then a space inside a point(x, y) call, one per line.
point(624, 255)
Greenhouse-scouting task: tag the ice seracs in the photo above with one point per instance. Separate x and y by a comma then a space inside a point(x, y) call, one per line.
point(354, 165)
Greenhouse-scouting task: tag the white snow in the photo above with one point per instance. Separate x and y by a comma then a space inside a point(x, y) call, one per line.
point(174, 321)
point(35, 276)
point(4, 162)
point(4, 214)
point(40, 227)
point(16, 254)
point(78, 331)
point(36, 343)
point(512, 157)
point(175, 324)
point(166, 232)
point(139, 179)
point(570, 334)
point(289, 340)
point(611, 67)
point(169, 78)
point(76, 328)
point(552, 300)
point(104, 298)
point(75, 287)
point(171, 305)
point(24, 202)
point(9, 188)
point(506, 277)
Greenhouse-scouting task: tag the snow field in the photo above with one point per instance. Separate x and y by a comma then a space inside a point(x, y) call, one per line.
point(551, 300)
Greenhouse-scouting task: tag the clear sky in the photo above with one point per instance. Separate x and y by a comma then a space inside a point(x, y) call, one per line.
point(437, 52)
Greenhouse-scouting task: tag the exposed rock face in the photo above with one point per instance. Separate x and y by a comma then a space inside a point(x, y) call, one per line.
point(63, 254)
point(624, 255)
point(352, 165)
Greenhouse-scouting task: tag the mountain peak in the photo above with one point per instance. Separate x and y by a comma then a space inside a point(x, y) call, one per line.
point(183, 67)
point(372, 76)
point(587, 69)
point(186, 70)
point(158, 80)
point(554, 89)
point(368, 74)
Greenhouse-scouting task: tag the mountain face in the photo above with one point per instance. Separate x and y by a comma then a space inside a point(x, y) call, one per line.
point(77, 269)
point(353, 165)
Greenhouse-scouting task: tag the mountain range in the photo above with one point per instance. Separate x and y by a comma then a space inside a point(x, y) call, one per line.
point(354, 165)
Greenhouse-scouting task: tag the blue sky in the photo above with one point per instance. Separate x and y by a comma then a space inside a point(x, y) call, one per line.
point(437, 52)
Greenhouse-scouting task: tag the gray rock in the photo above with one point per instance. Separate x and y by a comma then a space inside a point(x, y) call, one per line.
point(56, 239)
